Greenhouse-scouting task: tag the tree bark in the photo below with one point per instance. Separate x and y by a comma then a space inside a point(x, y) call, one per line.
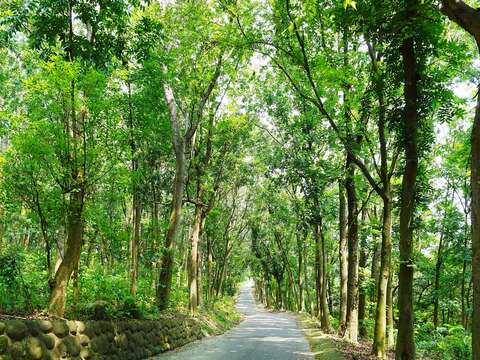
point(436, 288)
point(475, 184)
point(166, 269)
point(135, 240)
point(362, 297)
point(343, 256)
point(405, 348)
point(352, 289)
point(380, 331)
point(325, 314)
point(390, 335)
point(300, 245)
point(58, 295)
point(194, 240)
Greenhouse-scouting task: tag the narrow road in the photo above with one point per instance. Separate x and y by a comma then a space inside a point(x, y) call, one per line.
point(261, 336)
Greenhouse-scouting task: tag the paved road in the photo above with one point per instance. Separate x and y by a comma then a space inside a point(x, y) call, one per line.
point(261, 336)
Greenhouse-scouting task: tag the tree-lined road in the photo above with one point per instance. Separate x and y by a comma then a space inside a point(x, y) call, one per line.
point(261, 336)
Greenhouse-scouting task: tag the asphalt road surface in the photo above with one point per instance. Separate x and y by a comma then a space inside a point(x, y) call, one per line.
point(262, 335)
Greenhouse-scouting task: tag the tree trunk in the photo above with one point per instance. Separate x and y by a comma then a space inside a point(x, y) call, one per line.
point(343, 256)
point(436, 288)
point(390, 336)
point(58, 294)
point(374, 275)
point(380, 331)
point(300, 245)
point(166, 269)
point(351, 332)
point(193, 273)
point(135, 240)
point(318, 277)
point(325, 314)
point(362, 297)
point(475, 184)
point(405, 349)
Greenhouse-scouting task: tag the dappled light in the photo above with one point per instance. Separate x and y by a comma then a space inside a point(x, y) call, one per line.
point(262, 335)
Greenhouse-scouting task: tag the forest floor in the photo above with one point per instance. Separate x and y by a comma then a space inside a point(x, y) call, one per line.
point(332, 346)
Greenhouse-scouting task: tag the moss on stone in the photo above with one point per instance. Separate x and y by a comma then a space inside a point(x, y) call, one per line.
point(49, 340)
point(45, 325)
point(33, 328)
point(16, 330)
point(72, 327)
point(100, 344)
point(72, 345)
point(3, 344)
point(17, 350)
point(35, 348)
point(60, 328)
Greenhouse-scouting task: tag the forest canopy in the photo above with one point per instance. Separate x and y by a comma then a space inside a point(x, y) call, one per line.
point(155, 154)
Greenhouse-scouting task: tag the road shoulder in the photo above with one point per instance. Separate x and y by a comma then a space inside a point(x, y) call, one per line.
point(322, 345)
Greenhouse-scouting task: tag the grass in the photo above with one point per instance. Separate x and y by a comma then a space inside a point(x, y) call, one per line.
point(219, 316)
point(322, 345)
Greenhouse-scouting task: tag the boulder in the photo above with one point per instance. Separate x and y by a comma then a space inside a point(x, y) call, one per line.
point(45, 325)
point(72, 345)
point(16, 330)
point(72, 327)
point(49, 340)
point(60, 328)
point(35, 348)
point(4, 344)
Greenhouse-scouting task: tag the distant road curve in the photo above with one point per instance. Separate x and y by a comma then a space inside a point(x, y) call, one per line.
point(261, 336)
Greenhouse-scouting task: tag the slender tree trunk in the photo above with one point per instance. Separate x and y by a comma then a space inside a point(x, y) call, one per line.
point(58, 295)
point(405, 348)
point(464, 277)
point(193, 273)
point(134, 242)
point(362, 297)
point(136, 209)
point(343, 256)
point(318, 277)
point(300, 245)
point(374, 275)
point(352, 289)
point(380, 331)
point(325, 315)
point(166, 269)
point(390, 336)
point(436, 288)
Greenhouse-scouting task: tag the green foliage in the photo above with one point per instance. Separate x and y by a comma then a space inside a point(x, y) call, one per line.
point(22, 281)
point(451, 342)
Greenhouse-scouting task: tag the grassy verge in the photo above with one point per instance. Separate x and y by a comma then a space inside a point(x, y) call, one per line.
point(219, 317)
point(332, 346)
point(323, 346)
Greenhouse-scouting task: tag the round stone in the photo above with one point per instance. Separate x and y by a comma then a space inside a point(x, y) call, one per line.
point(34, 348)
point(3, 344)
point(72, 345)
point(60, 328)
point(16, 330)
point(45, 325)
point(49, 340)
point(80, 327)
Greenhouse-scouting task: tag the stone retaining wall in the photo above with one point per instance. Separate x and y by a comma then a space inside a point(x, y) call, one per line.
point(115, 340)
